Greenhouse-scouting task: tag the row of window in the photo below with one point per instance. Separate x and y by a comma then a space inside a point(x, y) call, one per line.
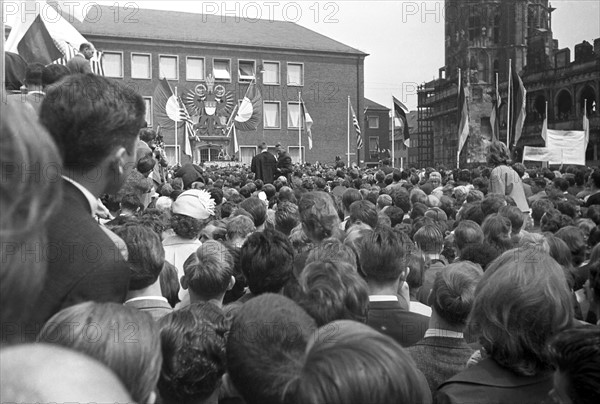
point(195, 68)
point(271, 114)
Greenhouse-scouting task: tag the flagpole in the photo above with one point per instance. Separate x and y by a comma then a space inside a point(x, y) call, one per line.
point(509, 104)
point(348, 133)
point(300, 127)
point(177, 156)
point(459, 120)
point(393, 133)
point(496, 127)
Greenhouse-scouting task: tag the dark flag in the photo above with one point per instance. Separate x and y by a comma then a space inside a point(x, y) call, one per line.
point(37, 44)
point(400, 111)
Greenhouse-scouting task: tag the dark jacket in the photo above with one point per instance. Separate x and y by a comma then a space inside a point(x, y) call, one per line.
point(79, 64)
point(264, 165)
point(391, 319)
point(83, 262)
point(440, 358)
point(155, 307)
point(284, 164)
point(489, 383)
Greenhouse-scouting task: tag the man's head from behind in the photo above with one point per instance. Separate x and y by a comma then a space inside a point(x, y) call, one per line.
point(193, 346)
point(146, 255)
point(208, 273)
point(95, 123)
point(382, 256)
point(265, 347)
point(44, 373)
point(267, 259)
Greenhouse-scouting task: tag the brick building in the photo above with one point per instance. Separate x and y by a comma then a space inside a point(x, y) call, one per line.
point(376, 133)
point(481, 36)
point(143, 47)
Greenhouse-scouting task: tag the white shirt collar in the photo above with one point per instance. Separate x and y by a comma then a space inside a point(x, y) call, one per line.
point(383, 298)
point(136, 299)
point(436, 332)
point(93, 201)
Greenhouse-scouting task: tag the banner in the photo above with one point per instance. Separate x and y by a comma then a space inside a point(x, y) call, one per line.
point(563, 147)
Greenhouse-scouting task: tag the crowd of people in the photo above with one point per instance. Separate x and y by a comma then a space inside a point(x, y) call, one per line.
point(125, 279)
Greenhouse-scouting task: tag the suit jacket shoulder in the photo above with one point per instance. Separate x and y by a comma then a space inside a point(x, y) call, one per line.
point(155, 307)
point(83, 262)
point(391, 319)
point(487, 382)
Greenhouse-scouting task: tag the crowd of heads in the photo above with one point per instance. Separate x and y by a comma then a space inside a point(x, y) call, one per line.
point(270, 286)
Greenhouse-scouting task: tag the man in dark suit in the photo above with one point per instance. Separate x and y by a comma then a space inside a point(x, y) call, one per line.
point(444, 352)
point(80, 63)
point(264, 164)
point(285, 166)
point(382, 261)
point(96, 137)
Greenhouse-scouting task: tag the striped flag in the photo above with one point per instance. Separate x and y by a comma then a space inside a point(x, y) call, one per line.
point(307, 121)
point(463, 118)
point(188, 129)
point(494, 116)
point(519, 104)
point(400, 111)
point(586, 125)
point(359, 140)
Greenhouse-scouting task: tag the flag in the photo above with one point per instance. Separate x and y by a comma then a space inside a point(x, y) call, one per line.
point(545, 130)
point(166, 106)
point(236, 147)
point(586, 125)
point(249, 113)
point(495, 116)
point(97, 63)
point(188, 129)
point(307, 122)
point(359, 140)
point(463, 119)
point(519, 103)
point(400, 111)
point(37, 44)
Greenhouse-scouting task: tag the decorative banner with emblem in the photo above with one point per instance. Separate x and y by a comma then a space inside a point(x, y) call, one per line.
point(212, 104)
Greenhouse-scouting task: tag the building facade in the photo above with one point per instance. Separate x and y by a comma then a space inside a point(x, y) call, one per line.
point(213, 56)
point(377, 130)
point(481, 38)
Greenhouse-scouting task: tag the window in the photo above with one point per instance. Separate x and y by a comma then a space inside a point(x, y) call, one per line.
point(271, 73)
point(293, 151)
point(246, 69)
point(246, 154)
point(194, 69)
point(295, 74)
point(373, 122)
point(141, 66)
point(148, 103)
point(293, 116)
point(271, 115)
point(168, 68)
point(113, 64)
point(222, 69)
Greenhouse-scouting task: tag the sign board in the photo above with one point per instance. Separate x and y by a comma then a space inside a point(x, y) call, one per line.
point(562, 147)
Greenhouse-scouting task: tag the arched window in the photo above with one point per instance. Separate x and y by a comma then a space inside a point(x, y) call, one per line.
point(588, 94)
point(564, 104)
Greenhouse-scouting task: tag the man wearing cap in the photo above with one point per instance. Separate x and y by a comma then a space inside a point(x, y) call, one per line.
point(264, 164)
point(284, 162)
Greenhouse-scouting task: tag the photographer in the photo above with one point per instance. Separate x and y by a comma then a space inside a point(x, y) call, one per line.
point(152, 143)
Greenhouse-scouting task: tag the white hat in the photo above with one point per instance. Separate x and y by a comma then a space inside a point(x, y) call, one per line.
point(195, 203)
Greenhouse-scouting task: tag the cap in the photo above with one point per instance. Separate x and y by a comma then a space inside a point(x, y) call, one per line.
point(196, 203)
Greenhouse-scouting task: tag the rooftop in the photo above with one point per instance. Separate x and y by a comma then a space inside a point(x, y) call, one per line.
point(369, 104)
point(208, 29)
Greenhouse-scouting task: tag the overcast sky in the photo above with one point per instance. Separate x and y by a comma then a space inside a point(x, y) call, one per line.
point(404, 39)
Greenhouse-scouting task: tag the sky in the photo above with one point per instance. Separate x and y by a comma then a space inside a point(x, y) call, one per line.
point(404, 39)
